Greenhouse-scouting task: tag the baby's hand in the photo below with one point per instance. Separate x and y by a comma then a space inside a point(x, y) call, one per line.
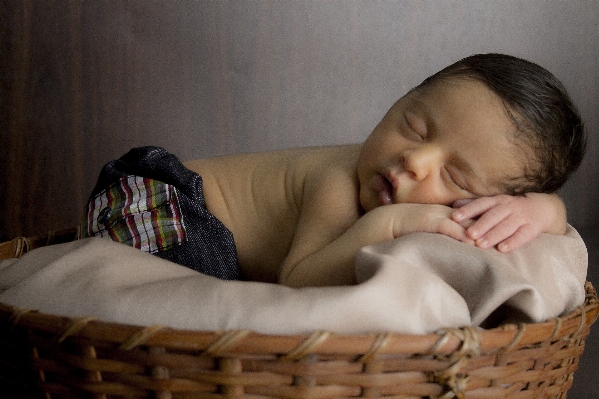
point(511, 221)
point(429, 218)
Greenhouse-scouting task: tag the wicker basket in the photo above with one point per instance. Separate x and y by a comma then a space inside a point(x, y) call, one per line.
point(43, 355)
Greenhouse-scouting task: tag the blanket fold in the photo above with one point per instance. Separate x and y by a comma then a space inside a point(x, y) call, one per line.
point(416, 284)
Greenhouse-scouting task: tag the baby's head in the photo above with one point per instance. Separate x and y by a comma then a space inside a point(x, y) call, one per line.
point(548, 125)
point(486, 125)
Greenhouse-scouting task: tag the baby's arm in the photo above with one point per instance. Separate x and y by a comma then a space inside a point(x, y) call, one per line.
point(332, 263)
point(511, 221)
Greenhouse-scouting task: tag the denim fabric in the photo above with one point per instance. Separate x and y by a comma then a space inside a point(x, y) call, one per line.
point(209, 246)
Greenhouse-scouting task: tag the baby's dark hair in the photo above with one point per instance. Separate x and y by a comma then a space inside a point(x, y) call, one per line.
point(546, 119)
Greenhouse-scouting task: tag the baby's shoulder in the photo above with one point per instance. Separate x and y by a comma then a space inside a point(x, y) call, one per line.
point(322, 162)
point(276, 176)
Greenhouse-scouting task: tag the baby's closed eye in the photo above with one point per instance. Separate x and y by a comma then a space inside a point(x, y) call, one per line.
point(416, 126)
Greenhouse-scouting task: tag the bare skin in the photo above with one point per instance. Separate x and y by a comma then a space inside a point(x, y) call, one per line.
point(260, 198)
point(300, 216)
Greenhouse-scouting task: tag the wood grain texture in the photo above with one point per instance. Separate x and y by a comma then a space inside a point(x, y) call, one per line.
point(83, 82)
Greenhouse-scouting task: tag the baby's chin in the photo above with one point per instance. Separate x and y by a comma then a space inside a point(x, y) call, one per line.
point(367, 204)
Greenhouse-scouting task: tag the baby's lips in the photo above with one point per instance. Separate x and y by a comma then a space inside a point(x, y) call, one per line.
point(380, 182)
point(385, 190)
point(385, 198)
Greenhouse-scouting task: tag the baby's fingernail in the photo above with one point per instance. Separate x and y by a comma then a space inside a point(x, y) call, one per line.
point(458, 216)
point(473, 233)
point(482, 243)
point(503, 247)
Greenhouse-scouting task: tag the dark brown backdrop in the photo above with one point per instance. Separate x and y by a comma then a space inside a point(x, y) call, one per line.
point(82, 82)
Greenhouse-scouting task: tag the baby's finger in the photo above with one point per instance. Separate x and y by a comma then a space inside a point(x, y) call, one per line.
point(488, 221)
point(461, 202)
point(520, 237)
point(498, 234)
point(473, 208)
point(466, 223)
point(452, 229)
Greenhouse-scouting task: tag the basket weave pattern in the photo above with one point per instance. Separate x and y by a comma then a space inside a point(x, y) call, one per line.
point(50, 356)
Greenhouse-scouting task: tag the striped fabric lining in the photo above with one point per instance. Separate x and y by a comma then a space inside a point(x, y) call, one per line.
point(137, 211)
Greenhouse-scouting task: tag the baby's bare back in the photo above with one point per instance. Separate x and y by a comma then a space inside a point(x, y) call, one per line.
point(259, 198)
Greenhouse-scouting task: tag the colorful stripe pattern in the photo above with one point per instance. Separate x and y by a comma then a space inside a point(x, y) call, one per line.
point(137, 211)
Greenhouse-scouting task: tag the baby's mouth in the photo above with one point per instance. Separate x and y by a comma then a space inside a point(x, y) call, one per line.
point(385, 189)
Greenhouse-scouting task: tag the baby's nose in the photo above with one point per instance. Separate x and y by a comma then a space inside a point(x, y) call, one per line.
point(422, 161)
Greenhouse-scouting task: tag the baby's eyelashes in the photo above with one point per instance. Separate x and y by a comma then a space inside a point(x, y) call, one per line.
point(416, 126)
point(454, 178)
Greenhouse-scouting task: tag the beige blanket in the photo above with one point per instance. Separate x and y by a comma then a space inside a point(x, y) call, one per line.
point(415, 284)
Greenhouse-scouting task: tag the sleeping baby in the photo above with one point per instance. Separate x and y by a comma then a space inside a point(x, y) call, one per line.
point(475, 152)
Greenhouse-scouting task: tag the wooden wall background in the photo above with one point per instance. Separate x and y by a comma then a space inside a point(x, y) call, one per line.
point(84, 81)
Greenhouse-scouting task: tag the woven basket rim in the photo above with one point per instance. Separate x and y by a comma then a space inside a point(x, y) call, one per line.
point(467, 340)
point(84, 354)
